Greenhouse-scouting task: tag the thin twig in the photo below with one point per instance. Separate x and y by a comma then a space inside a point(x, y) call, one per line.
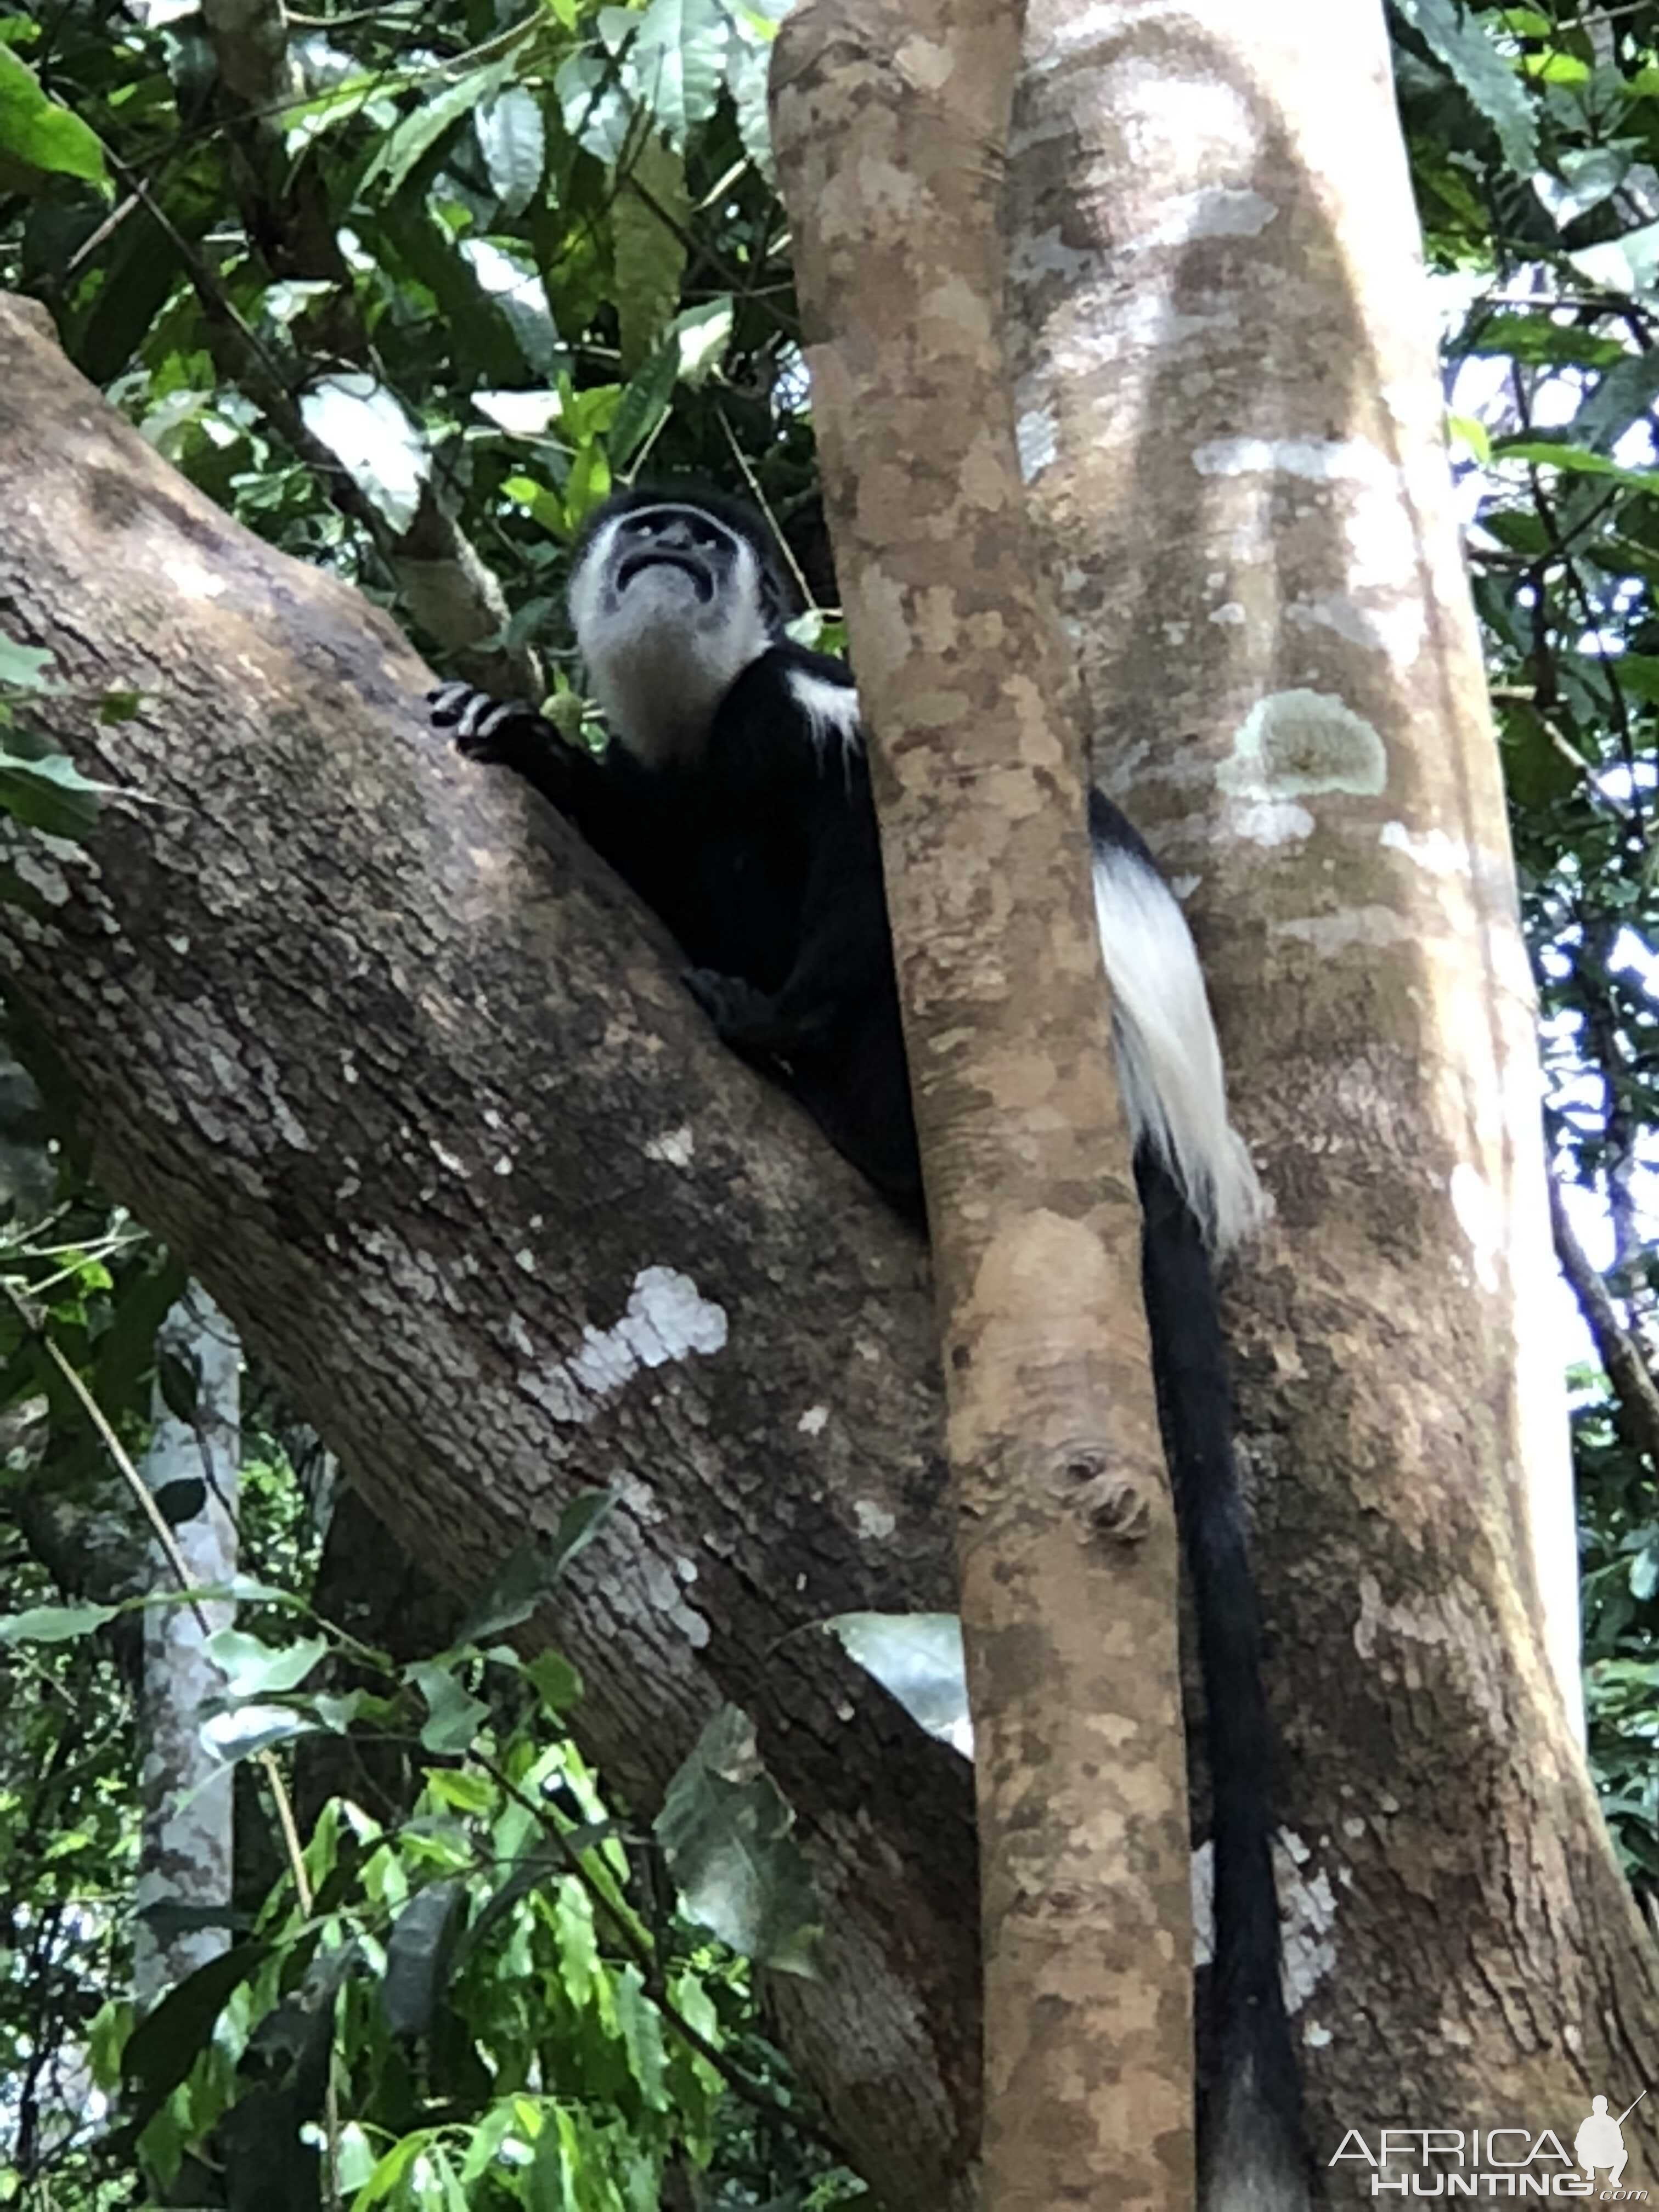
point(759, 498)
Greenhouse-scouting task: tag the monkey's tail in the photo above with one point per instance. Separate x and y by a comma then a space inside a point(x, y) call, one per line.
point(1252, 2146)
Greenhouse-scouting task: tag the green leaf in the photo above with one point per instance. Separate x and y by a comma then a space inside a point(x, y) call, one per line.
point(512, 281)
point(251, 1728)
point(50, 794)
point(454, 1716)
point(127, 1348)
point(1637, 675)
point(555, 1679)
point(1621, 399)
point(523, 1578)
point(391, 2169)
point(1556, 69)
point(1461, 42)
point(23, 668)
point(144, 266)
point(416, 1957)
point(1545, 453)
point(747, 69)
point(107, 2039)
point(354, 2162)
point(428, 252)
point(54, 1624)
point(725, 1831)
point(165, 2044)
point(677, 61)
point(552, 2183)
point(644, 404)
point(255, 1669)
point(39, 131)
point(580, 1522)
point(1589, 175)
point(419, 132)
point(702, 336)
point(1470, 432)
point(545, 505)
point(1538, 340)
point(528, 1576)
point(540, 1865)
point(647, 226)
point(642, 2033)
point(484, 2147)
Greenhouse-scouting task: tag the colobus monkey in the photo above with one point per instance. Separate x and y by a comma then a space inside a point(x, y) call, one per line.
point(734, 796)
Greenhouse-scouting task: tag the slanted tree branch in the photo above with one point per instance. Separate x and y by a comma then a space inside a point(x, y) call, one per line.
point(1627, 1371)
point(411, 1084)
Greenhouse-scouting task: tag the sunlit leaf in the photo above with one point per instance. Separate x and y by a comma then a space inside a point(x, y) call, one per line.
point(54, 1624)
point(677, 59)
point(598, 112)
point(253, 1668)
point(917, 1657)
point(1630, 263)
point(23, 668)
point(365, 427)
point(512, 140)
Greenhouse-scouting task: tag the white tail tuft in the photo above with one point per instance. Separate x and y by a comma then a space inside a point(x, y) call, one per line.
point(1174, 1090)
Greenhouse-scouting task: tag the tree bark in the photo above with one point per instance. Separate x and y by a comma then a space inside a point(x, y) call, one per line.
point(1231, 426)
point(186, 1845)
point(889, 129)
point(412, 1085)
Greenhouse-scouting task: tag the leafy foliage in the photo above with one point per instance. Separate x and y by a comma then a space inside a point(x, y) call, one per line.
point(425, 282)
point(1534, 142)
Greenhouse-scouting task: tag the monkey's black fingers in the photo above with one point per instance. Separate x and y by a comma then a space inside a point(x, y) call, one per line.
point(743, 1017)
point(486, 729)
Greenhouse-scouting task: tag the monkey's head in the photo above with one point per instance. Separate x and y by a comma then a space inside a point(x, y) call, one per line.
point(672, 598)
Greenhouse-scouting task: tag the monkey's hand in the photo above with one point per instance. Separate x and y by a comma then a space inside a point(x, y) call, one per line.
point(486, 728)
point(761, 1024)
point(743, 1017)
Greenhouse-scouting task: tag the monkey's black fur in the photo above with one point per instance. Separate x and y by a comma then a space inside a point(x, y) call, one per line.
point(734, 797)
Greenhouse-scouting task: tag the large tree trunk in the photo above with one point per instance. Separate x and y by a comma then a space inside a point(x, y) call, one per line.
point(1232, 422)
point(412, 1085)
